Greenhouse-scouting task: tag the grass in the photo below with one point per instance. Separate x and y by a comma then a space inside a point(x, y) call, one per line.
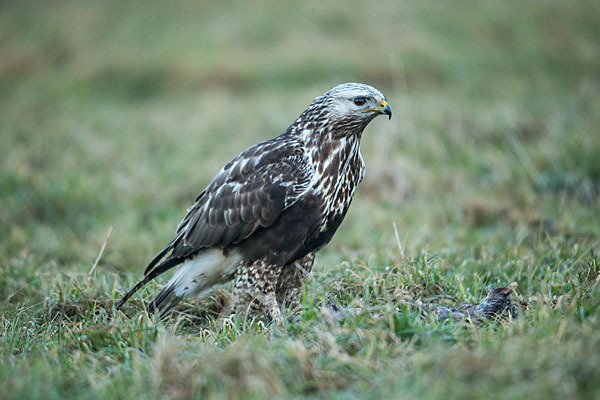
point(114, 116)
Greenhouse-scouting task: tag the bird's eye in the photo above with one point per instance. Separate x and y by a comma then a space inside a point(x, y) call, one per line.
point(360, 101)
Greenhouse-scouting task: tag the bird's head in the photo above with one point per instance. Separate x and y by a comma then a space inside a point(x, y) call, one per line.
point(344, 110)
point(355, 103)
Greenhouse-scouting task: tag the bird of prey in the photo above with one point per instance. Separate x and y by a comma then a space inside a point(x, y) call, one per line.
point(268, 211)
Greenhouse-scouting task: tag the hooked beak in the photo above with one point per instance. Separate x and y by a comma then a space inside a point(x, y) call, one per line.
point(384, 108)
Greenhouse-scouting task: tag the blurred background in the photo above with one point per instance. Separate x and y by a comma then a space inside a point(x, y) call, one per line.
point(117, 114)
point(114, 116)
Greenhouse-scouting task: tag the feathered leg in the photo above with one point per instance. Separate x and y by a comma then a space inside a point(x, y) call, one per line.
point(255, 291)
point(291, 279)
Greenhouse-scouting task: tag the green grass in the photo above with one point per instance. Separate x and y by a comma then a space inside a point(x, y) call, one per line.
point(114, 116)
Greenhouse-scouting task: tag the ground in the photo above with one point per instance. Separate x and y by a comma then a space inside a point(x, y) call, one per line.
point(113, 116)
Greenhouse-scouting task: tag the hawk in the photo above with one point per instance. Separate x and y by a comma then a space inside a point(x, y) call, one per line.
point(268, 211)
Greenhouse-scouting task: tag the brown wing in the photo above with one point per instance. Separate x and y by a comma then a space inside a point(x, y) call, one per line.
point(248, 193)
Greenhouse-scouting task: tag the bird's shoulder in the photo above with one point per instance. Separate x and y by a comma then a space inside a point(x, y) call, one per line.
point(253, 188)
point(263, 158)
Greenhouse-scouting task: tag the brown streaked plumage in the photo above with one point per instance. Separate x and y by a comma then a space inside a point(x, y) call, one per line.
point(268, 211)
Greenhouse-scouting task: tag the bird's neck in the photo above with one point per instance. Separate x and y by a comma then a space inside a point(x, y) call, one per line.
point(331, 154)
point(317, 129)
point(321, 136)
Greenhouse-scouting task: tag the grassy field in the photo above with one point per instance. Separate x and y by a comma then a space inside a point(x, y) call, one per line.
point(114, 115)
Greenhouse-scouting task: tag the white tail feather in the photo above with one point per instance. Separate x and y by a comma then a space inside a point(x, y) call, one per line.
point(196, 275)
point(203, 271)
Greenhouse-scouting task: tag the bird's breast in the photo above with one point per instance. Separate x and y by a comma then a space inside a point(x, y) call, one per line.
point(337, 185)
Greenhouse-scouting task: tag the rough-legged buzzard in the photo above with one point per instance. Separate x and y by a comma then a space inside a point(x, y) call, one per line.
point(263, 217)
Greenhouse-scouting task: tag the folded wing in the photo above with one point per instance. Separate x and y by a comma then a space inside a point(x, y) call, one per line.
point(249, 193)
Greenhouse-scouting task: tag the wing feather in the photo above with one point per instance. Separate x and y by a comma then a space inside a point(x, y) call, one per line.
point(249, 193)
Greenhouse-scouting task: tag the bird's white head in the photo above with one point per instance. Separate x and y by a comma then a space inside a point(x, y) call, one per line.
point(356, 101)
point(342, 111)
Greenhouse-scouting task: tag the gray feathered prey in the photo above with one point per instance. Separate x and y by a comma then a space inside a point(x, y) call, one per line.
point(267, 212)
